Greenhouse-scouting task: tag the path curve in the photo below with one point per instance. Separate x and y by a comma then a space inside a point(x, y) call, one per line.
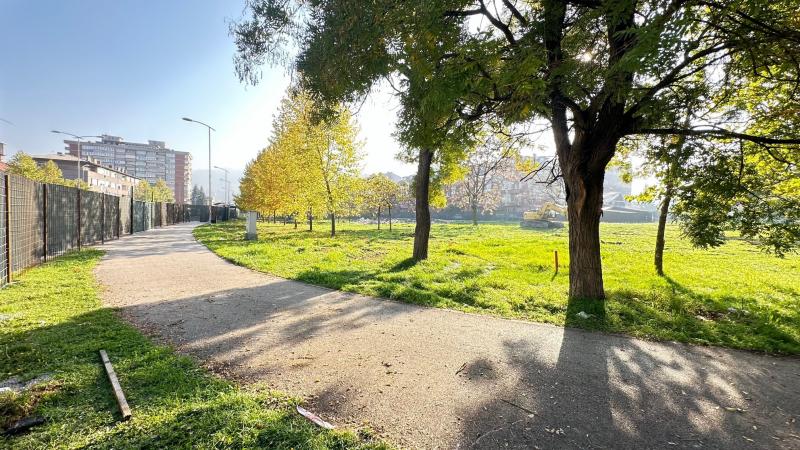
point(432, 378)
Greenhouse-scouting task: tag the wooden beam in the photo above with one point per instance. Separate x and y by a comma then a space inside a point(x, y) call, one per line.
point(112, 376)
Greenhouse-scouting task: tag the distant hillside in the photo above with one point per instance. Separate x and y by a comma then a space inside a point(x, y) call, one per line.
point(397, 178)
point(200, 178)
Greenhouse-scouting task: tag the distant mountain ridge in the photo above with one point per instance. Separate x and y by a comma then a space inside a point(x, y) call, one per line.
point(200, 178)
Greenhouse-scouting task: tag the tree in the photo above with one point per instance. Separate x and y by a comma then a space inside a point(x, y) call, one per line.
point(24, 165)
point(158, 192)
point(429, 125)
point(198, 196)
point(664, 159)
point(490, 162)
point(308, 167)
point(162, 192)
point(598, 71)
point(382, 192)
point(51, 173)
point(336, 152)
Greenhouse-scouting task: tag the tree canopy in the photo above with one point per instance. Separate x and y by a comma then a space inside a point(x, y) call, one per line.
point(198, 196)
point(310, 166)
point(24, 165)
point(158, 192)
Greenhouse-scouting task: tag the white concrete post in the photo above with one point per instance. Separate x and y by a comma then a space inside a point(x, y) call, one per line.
point(251, 234)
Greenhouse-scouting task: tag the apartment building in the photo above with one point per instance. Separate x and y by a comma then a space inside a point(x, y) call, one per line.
point(99, 177)
point(151, 161)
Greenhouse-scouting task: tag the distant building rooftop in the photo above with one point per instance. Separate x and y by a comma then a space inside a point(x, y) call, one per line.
point(86, 161)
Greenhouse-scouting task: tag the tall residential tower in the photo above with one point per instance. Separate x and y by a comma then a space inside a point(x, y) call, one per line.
point(151, 161)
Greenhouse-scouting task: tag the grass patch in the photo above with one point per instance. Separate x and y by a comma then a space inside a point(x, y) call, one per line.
point(733, 296)
point(51, 321)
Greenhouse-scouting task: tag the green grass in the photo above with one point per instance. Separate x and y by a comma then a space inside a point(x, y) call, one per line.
point(51, 321)
point(503, 270)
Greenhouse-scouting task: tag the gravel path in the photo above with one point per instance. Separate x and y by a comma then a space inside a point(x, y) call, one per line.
point(432, 378)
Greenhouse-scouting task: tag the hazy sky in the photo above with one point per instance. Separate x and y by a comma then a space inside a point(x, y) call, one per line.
point(134, 68)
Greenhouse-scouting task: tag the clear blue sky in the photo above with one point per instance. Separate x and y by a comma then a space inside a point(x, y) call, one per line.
point(134, 68)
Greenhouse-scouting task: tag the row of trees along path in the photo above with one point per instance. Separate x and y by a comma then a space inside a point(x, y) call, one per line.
point(313, 167)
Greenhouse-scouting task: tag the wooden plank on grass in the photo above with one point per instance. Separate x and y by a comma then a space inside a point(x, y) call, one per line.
point(112, 376)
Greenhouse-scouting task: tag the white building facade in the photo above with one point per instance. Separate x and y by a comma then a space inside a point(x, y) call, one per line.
point(151, 161)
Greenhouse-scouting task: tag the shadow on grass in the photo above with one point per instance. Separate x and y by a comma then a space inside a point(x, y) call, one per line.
point(175, 403)
point(404, 264)
point(334, 279)
point(686, 315)
point(668, 310)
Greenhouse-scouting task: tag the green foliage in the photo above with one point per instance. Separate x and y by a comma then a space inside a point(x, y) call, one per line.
point(198, 196)
point(24, 165)
point(51, 173)
point(53, 322)
point(158, 192)
point(503, 270)
point(598, 71)
point(741, 188)
point(381, 192)
point(309, 165)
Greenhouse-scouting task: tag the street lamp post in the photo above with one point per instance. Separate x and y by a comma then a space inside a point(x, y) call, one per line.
point(227, 199)
point(210, 129)
point(227, 185)
point(79, 139)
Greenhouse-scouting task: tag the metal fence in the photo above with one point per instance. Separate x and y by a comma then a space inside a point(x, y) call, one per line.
point(39, 221)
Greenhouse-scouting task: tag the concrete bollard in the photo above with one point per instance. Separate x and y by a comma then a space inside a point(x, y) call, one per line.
point(251, 234)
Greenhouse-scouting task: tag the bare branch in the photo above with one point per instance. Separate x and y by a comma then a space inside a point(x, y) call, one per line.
point(717, 133)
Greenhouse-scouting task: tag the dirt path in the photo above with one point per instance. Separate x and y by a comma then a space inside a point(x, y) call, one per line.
point(431, 378)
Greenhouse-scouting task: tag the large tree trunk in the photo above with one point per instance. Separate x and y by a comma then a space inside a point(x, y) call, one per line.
point(379, 217)
point(584, 208)
point(662, 225)
point(333, 224)
point(310, 219)
point(422, 230)
point(585, 147)
point(390, 217)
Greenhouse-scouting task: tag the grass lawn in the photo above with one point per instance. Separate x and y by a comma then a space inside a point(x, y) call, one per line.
point(51, 321)
point(733, 296)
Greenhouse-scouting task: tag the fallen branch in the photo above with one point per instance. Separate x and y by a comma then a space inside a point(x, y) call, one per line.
point(518, 406)
point(112, 377)
point(314, 418)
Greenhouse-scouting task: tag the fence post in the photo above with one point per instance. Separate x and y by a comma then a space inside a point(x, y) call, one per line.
point(102, 218)
point(132, 217)
point(8, 226)
point(44, 228)
point(79, 218)
point(119, 217)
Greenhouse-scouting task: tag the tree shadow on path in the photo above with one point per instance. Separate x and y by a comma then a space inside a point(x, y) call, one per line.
point(611, 392)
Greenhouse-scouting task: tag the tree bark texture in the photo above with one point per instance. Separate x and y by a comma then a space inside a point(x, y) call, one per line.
point(333, 224)
point(662, 225)
point(474, 214)
point(379, 217)
point(390, 217)
point(422, 229)
point(584, 208)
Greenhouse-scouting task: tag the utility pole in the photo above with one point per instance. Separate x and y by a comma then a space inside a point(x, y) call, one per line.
point(227, 198)
point(79, 139)
point(210, 129)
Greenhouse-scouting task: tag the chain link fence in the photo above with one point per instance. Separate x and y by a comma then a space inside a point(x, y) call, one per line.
point(40, 221)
